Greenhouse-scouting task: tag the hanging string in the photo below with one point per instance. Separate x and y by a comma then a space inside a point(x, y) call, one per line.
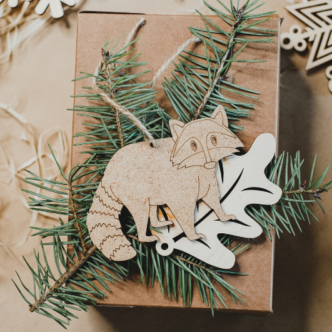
point(133, 32)
point(113, 103)
point(121, 109)
point(170, 60)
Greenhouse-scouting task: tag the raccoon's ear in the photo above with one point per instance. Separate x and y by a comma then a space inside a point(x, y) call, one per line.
point(176, 128)
point(219, 115)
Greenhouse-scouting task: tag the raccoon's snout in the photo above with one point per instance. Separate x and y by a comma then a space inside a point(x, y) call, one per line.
point(210, 165)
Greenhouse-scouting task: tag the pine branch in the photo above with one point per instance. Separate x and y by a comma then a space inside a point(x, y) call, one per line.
point(197, 86)
point(302, 190)
point(106, 57)
point(225, 58)
point(214, 84)
point(293, 206)
point(197, 265)
point(73, 208)
point(284, 170)
point(63, 279)
point(76, 197)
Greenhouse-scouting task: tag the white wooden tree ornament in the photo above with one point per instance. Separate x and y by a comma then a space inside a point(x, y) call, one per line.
point(55, 6)
point(242, 182)
point(317, 15)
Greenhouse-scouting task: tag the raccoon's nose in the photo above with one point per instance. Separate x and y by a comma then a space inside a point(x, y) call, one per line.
point(210, 165)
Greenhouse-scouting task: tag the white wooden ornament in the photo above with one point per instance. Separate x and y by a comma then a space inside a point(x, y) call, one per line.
point(329, 76)
point(12, 3)
point(317, 15)
point(242, 182)
point(55, 6)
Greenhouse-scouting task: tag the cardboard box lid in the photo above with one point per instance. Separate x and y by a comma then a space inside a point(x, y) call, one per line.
point(159, 39)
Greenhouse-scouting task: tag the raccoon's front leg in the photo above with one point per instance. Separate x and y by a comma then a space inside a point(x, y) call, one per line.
point(212, 200)
point(185, 216)
point(140, 213)
point(155, 222)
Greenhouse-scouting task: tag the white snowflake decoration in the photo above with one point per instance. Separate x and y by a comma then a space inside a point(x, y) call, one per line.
point(55, 6)
point(317, 15)
point(12, 3)
point(242, 182)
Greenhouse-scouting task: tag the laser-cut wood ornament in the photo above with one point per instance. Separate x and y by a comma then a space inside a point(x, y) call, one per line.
point(242, 182)
point(317, 15)
point(178, 173)
point(55, 6)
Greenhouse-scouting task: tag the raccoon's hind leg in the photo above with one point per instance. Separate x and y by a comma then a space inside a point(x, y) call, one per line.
point(155, 222)
point(140, 212)
point(185, 216)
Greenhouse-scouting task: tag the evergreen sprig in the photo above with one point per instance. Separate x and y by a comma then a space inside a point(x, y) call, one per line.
point(81, 273)
point(293, 206)
point(200, 81)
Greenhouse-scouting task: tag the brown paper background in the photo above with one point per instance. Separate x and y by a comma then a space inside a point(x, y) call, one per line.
point(40, 73)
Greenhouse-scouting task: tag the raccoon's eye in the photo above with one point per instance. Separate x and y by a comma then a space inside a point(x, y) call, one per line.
point(213, 140)
point(193, 145)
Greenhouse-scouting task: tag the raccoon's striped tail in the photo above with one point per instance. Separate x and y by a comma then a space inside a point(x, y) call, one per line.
point(105, 228)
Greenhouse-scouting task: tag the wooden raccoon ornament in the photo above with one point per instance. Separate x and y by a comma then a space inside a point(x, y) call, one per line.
point(178, 172)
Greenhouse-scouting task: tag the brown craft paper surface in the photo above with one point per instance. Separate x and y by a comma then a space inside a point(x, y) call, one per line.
point(158, 38)
point(40, 73)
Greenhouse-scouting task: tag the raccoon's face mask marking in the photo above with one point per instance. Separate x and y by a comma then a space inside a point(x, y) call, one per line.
point(203, 142)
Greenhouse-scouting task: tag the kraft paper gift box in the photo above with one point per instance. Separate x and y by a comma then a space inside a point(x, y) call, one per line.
point(158, 40)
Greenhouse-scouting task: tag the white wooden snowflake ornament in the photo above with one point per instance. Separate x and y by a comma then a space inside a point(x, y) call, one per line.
point(317, 15)
point(12, 3)
point(242, 182)
point(55, 6)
